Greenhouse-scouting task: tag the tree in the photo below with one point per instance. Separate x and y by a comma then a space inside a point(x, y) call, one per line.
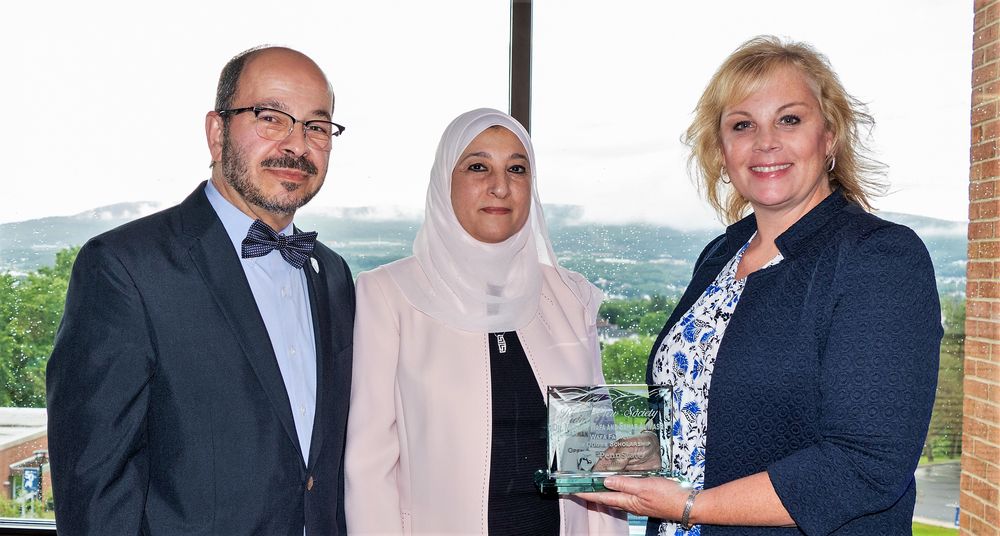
point(631, 314)
point(944, 435)
point(651, 323)
point(8, 312)
point(622, 313)
point(32, 307)
point(624, 361)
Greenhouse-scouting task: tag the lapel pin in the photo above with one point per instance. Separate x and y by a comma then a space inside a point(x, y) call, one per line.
point(315, 264)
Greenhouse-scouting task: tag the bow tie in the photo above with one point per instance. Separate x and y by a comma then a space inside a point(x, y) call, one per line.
point(295, 248)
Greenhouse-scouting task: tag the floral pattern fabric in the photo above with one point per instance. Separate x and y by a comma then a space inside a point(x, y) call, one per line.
point(685, 359)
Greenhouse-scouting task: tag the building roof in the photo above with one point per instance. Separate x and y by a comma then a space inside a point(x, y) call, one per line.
point(18, 425)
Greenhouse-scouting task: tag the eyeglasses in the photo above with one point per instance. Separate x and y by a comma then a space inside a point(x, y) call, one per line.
point(276, 125)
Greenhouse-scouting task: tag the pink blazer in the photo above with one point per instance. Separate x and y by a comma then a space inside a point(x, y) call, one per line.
point(419, 429)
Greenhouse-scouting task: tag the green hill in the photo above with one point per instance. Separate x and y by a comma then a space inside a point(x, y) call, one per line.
point(626, 260)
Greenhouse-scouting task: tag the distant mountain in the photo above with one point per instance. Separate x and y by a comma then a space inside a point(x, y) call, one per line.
point(27, 245)
point(947, 242)
point(624, 259)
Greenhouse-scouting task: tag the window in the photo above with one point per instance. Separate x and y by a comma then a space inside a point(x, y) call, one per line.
point(612, 89)
point(110, 105)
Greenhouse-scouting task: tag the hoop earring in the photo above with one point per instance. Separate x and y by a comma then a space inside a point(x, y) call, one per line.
point(724, 177)
point(833, 164)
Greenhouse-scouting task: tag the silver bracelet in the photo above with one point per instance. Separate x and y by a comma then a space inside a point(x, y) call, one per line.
point(688, 506)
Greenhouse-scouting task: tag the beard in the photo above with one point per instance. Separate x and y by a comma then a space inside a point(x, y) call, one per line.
point(236, 172)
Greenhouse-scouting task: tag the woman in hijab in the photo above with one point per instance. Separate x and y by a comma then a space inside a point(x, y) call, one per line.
point(454, 349)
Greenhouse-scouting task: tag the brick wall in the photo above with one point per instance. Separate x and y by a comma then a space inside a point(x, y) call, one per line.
point(980, 497)
point(17, 453)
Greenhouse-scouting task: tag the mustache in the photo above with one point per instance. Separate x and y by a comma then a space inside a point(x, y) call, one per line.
point(284, 161)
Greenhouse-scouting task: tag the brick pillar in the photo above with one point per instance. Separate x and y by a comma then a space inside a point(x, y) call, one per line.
point(980, 496)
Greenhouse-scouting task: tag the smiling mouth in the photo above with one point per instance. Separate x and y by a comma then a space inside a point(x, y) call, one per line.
point(769, 169)
point(498, 211)
point(294, 174)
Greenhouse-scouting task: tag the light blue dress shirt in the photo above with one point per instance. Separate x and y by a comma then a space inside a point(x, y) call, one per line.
point(283, 301)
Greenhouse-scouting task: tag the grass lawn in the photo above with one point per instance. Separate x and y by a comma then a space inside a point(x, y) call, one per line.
point(939, 459)
point(919, 529)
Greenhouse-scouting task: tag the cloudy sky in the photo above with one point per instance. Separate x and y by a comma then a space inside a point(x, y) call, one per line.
point(106, 100)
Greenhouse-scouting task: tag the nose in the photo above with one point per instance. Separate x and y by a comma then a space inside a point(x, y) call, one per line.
point(499, 185)
point(295, 143)
point(766, 140)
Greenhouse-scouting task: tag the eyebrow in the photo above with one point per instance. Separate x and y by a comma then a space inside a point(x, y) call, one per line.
point(278, 105)
point(271, 103)
point(780, 108)
point(484, 154)
point(322, 113)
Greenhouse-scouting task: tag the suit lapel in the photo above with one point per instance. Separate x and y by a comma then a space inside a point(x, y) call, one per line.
point(319, 303)
point(216, 260)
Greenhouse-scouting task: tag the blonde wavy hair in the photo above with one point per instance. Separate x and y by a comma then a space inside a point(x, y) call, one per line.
point(746, 70)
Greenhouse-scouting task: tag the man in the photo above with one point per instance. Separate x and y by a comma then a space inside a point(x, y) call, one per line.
point(201, 375)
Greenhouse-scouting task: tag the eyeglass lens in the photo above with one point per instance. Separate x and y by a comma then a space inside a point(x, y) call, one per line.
point(276, 126)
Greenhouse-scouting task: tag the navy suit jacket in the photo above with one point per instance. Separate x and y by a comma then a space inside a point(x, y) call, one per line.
point(167, 411)
point(826, 375)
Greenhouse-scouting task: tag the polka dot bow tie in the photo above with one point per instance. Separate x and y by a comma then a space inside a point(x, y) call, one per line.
point(295, 248)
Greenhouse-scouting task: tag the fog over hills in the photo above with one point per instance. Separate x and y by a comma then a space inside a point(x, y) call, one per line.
point(629, 260)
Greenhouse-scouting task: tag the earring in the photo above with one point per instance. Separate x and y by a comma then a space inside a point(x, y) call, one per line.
point(724, 177)
point(833, 163)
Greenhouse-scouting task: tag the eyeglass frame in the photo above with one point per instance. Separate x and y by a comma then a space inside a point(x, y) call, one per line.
point(336, 131)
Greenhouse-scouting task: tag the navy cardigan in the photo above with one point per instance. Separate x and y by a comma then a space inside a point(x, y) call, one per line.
point(826, 375)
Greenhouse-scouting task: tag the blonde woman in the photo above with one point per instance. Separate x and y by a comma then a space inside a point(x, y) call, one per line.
point(805, 349)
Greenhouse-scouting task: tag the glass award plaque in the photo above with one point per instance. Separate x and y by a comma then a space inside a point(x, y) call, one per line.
point(598, 431)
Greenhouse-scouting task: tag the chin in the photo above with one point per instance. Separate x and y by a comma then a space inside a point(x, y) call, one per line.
point(492, 238)
point(769, 197)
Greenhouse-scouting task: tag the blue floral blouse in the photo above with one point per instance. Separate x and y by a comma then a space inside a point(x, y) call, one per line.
point(685, 360)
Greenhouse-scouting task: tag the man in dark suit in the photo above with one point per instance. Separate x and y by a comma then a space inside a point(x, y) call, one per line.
point(200, 379)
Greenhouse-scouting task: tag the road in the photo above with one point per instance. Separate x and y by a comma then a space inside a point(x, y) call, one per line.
point(937, 492)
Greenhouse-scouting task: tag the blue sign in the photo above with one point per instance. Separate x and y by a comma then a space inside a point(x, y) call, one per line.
point(31, 481)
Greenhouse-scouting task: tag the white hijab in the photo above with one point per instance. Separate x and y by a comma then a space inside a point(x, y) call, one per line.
point(473, 285)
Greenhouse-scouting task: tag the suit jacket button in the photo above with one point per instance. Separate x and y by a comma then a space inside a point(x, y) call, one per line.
point(309, 484)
